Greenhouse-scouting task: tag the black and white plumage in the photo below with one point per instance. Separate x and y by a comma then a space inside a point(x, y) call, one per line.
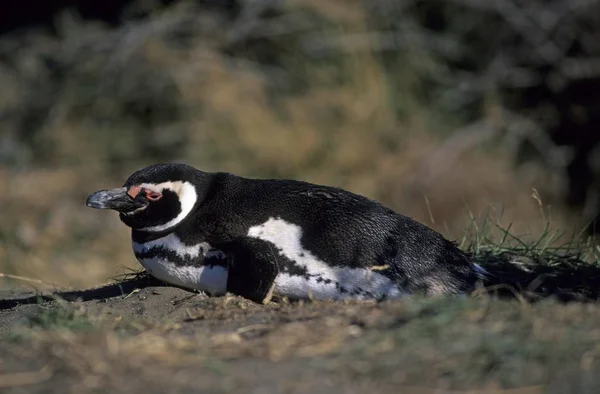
point(218, 232)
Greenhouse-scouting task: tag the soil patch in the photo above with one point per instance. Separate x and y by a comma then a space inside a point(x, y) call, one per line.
point(139, 336)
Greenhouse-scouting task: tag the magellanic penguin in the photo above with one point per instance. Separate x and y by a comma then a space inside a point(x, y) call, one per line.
point(291, 238)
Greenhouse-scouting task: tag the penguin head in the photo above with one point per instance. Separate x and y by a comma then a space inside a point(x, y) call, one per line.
point(154, 199)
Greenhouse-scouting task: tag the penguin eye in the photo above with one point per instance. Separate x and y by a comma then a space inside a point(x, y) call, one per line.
point(153, 196)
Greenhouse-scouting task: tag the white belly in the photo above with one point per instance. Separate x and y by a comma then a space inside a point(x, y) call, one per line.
point(355, 284)
point(210, 279)
point(189, 271)
point(213, 280)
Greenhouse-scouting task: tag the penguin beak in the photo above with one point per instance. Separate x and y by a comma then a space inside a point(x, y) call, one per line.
point(116, 199)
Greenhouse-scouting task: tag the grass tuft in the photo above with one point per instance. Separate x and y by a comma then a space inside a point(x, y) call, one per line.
point(60, 317)
point(551, 264)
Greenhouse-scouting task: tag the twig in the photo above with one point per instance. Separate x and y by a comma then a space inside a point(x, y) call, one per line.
point(23, 278)
point(489, 289)
point(253, 327)
point(379, 267)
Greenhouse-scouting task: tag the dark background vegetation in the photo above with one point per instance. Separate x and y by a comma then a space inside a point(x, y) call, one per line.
point(444, 110)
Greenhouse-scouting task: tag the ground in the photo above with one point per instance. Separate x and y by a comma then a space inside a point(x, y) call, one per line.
point(140, 336)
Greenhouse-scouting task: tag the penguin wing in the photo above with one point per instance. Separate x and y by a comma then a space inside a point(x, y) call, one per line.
point(253, 268)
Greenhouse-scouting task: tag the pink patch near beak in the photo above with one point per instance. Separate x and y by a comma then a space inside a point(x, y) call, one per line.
point(134, 191)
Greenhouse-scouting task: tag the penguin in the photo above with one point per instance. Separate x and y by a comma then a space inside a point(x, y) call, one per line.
point(218, 232)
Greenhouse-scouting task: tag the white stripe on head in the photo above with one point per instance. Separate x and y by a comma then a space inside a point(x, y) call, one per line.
point(187, 198)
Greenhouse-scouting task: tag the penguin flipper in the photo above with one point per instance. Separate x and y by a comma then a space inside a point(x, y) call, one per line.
point(253, 269)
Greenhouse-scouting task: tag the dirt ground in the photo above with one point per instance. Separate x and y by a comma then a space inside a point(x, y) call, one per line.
point(138, 336)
